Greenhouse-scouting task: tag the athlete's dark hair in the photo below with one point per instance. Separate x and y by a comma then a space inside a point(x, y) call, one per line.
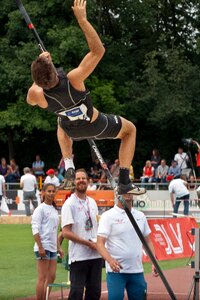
point(44, 190)
point(43, 72)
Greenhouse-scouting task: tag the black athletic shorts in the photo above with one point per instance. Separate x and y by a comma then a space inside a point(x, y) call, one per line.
point(104, 127)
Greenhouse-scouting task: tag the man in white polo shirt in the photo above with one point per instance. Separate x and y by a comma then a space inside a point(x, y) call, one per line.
point(29, 184)
point(120, 246)
point(79, 225)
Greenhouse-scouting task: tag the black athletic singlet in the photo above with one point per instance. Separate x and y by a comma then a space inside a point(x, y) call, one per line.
point(68, 103)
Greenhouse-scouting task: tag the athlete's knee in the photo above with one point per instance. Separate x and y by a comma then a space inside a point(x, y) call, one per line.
point(128, 129)
point(131, 128)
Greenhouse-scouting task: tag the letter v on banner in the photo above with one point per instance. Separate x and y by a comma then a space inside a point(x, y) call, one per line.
point(172, 239)
point(178, 237)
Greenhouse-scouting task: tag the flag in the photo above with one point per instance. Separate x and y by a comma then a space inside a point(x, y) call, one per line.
point(4, 207)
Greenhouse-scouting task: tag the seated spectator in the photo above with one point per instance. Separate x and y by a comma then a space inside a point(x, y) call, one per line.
point(103, 178)
point(13, 172)
point(148, 173)
point(174, 171)
point(4, 168)
point(61, 166)
point(162, 172)
point(91, 185)
point(192, 186)
point(95, 174)
point(114, 170)
point(59, 176)
point(192, 182)
point(96, 164)
point(51, 178)
point(38, 166)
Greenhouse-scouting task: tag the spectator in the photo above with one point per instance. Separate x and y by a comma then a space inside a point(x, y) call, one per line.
point(4, 168)
point(162, 171)
point(2, 188)
point(13, 173)
point(38, 166)
point(103, 178)
point(51, 178)
point(197, 157)
point(120, 246)
point(148, 173)
point(155, 160)
point(79, 226)
point(91, 185)
point(29, 184)
point(95, 174)
point(45, 221)
point(178, 189)
point(114, 170)
point(192, 185)
point(96, 164)
point(61, 166)
point(174, 170)
point(59, 176)
point(181, 158)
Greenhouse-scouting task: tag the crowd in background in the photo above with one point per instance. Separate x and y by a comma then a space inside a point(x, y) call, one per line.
point(156, 169)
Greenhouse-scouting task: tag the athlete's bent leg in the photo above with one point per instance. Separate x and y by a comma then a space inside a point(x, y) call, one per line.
point(66, 144)
point(127, 135)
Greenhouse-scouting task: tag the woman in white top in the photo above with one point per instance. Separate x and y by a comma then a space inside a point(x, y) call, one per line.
point(45, 221)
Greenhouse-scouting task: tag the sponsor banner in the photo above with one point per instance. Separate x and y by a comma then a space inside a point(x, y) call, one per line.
point(11, 199)
point(172, 238)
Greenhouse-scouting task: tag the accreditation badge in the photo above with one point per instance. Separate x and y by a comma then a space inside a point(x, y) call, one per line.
point(88, 224)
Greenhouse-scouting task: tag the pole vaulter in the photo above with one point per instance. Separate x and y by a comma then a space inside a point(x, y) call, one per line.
point(103, 164)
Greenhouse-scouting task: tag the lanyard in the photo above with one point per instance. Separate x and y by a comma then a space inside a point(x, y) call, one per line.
point(88, 222)
point(86, 211)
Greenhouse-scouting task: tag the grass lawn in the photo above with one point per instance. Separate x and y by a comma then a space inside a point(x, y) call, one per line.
point(18, 267)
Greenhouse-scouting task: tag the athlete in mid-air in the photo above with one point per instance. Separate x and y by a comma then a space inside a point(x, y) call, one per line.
point(66, 96)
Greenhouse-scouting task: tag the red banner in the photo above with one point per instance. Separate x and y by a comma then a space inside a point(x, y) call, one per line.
point(172, 238)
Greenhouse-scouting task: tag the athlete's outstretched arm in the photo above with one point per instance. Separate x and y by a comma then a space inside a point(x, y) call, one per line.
point(90, 61)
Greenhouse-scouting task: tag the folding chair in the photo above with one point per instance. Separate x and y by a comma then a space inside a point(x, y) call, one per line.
point(61, 285)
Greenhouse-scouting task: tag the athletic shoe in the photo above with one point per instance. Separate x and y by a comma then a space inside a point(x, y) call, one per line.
point(70, 174)
point(69, 179)
point(130, 188)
